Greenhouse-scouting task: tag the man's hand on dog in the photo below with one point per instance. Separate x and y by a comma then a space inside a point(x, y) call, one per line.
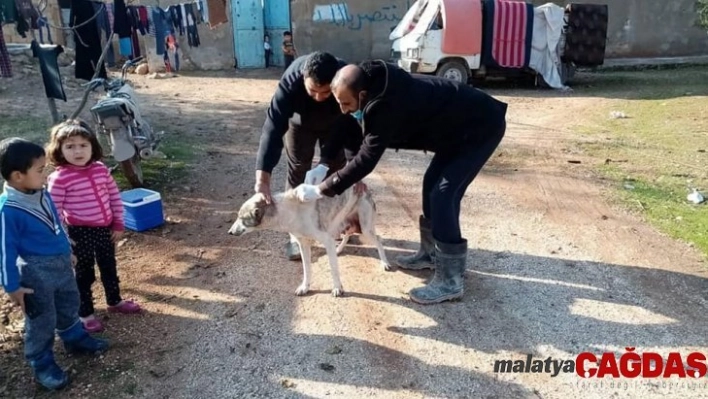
point(307, 193)
point(264, 188)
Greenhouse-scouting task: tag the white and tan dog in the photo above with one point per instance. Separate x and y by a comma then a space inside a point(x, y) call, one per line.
point(320, 221)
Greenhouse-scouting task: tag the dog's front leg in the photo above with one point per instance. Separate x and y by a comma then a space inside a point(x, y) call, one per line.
point(331, 249)
point(306, 254)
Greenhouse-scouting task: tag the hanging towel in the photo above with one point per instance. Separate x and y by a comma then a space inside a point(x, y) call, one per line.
point(88, 42)
point(507, 33)
point(511, 23)
point(49, 67)
point(217, 12)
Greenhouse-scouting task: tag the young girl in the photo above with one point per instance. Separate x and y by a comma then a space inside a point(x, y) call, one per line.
point(88, 201)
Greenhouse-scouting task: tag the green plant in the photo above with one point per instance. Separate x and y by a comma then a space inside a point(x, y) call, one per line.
point(702, 10)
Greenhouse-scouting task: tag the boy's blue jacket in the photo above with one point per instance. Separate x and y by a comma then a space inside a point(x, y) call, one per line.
point(29, 226)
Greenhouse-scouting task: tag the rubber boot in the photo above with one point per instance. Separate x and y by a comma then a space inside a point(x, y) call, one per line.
point(425, 257)
point(292, 250)
point(77, 340)
point(48, 373)
point(448, 282)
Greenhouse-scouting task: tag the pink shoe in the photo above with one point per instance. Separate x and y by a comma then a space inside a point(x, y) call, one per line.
point(92, 325)
point(125, 307)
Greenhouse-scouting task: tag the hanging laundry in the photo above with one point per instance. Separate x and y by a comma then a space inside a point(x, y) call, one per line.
point(159, 29)
point(143, 17)
point(49, 67)
point(8, 11)
point(126, 46)
point(217, 12)
point(135, 44)
point(88, 43)
point(203, 10)
point(110, 14)
point(42, 24)
point(190, 21)
point(176, 15)
point(104, 28)
point(197, 13)
point(121, 21)
point(27, 11)
point(135, 22)
point(5, 65)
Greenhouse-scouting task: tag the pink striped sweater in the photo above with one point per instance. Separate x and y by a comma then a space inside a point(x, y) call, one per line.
point(87, 196)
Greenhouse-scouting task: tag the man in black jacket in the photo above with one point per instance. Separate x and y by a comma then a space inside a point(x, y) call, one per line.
point(301, 113)
point(463, 127)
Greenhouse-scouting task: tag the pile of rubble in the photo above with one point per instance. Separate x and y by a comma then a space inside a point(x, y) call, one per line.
point(11, 323)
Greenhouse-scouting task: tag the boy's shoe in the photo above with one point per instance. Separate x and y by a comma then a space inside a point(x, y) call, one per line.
point(125, 307)
point(87, 345)
point(48, 373)
point(92, 324)
point(77, 340)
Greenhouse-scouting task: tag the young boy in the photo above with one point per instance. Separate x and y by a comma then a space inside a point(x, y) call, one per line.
point(267, 49)
point(36, 263)
point(289, 51)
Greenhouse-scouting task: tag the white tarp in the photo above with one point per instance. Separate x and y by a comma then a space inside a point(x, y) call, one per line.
point(547, 29)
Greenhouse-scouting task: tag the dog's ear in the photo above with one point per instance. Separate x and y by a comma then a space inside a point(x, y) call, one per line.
point(258, 213)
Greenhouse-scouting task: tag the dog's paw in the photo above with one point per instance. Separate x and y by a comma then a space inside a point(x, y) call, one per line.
point(337, 291)
point(386, 266)
point(302, 290)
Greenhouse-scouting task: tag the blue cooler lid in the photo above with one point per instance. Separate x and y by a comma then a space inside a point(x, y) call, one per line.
point(138, 195)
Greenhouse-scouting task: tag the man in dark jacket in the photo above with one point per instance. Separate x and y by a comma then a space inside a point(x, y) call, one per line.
point(463, 127)
point(301, 113)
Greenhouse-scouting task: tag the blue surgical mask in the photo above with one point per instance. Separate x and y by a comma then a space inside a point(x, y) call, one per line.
point(358, 115)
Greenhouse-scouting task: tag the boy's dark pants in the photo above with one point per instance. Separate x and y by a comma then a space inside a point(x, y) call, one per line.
point(57, 298)
point(288, 60)
point(94, 245)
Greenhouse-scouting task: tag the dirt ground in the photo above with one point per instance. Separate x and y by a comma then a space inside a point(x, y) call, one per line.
point(553, 270)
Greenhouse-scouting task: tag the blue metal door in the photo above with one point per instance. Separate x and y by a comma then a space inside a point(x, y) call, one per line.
point(277, 21)
point(248, 33)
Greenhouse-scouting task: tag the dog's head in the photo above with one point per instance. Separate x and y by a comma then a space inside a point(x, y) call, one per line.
point(252, 215)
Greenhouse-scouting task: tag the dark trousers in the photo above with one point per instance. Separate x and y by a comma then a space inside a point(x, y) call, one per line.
point(94, 245)
point(267, 58)
point(288, 60)
point(446, 181)
point(300, 144)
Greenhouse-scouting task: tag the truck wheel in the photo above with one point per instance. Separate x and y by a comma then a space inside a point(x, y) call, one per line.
point(453, 70)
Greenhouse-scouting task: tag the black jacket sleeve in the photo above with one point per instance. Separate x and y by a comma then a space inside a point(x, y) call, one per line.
point(346, 134)
point(380, 123)
point(278, 114)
